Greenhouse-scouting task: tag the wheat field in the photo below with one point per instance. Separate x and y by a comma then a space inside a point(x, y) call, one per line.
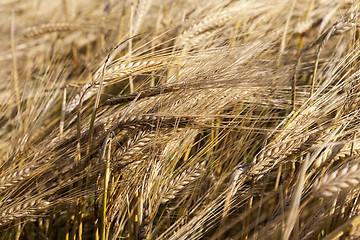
point(179, 119)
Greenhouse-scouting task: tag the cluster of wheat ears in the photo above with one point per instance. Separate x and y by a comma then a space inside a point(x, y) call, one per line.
point(179, 119)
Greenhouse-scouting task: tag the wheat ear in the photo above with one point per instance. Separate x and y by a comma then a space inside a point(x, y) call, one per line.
point(181, 181)
point(10, 179)
point(134, 152)
point(50, 28)
point(112, 73)
point(208, 22)
point(304, 26)
point(20, 210)
point(333, 183)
